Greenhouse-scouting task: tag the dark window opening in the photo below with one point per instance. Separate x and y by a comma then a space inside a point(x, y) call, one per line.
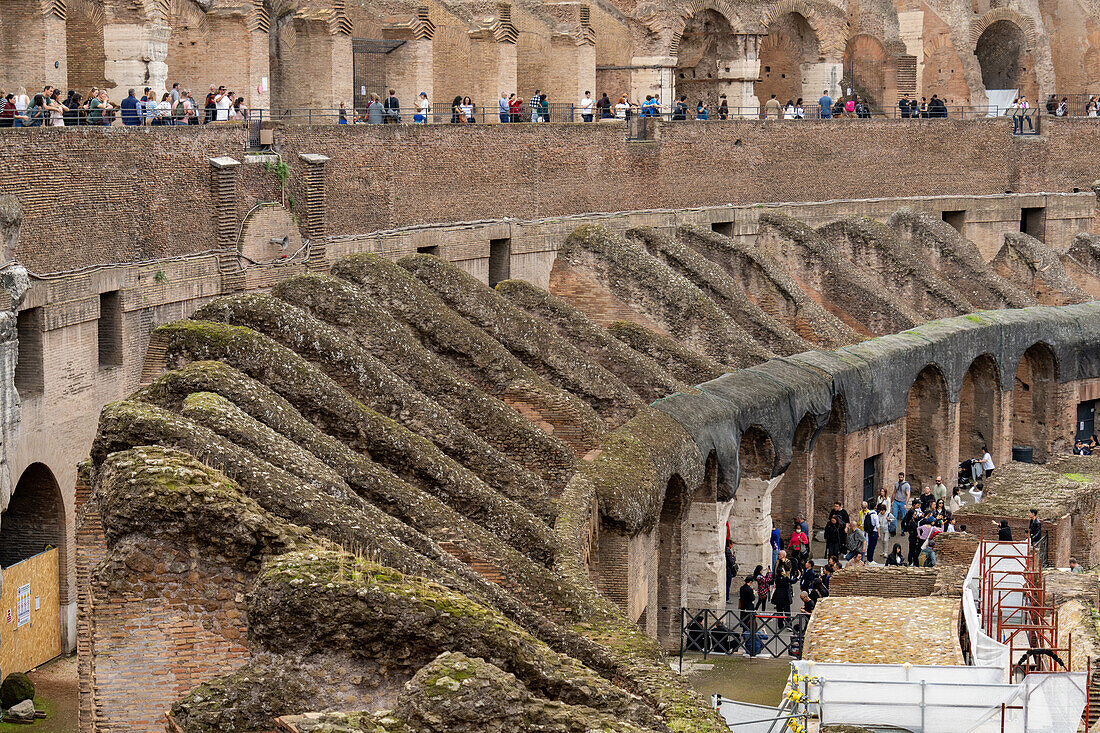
point(957, 220)
point(28, 369)
point(1033, 221)
point(871, 467)
point(432, 249)
point(725, 228)
point(500, 260)
point(110, 329)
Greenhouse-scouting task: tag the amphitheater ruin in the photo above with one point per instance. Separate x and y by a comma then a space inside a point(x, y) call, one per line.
point(440, 428)
point(287, 54)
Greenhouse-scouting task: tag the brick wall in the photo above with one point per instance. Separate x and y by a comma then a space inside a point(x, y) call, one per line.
point(884, 582)
point(120, 195)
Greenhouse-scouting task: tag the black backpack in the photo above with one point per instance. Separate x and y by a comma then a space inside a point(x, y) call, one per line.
point(867, 526)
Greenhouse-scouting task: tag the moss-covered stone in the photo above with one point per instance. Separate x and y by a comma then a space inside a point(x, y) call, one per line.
point(688, 366)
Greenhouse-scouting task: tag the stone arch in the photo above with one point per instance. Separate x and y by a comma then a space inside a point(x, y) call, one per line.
point(707, 55)
point(794, 494)
point(801, 54)
point(670, 559)
point(1004, 45)
point(750, 518)
point(980, 409)
point(34, 517)
point(829, 464)
point(830, 32)
point(33, 521)
point(695, 8)
point(1033, 400)
point(865, 63)
point(926, 427)
point(84, 53)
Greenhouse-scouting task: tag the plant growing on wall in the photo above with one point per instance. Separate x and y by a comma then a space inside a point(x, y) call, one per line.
point(282, 175)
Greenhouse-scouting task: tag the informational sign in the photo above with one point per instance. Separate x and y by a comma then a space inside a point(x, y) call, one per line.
point(363, 91)
point(23, 605)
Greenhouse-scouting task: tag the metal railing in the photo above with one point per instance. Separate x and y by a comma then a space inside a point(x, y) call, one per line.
point(750, 632)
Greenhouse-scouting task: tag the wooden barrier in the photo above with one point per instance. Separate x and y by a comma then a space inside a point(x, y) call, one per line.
point(30, 613)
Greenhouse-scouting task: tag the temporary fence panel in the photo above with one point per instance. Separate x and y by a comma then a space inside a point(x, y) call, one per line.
point(731, 632)
point(1000, 100)
point(744, 717)
point(934, 698)
point(30, 613)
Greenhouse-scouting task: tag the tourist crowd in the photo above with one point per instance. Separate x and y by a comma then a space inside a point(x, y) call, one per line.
point(898, 527)
point(177, 107)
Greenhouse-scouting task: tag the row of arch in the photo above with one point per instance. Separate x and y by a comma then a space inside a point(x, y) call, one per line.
point(804, 51)
point(827, 459)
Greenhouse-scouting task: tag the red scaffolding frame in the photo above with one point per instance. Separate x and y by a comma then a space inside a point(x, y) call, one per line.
point(1014, 606)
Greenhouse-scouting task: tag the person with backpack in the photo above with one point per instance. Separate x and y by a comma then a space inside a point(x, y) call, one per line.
point(782, 595)
point(856, 538)
point(799, 545)
point(392, 108)
point(910, 525)
point(680, 111)
point(870, 528)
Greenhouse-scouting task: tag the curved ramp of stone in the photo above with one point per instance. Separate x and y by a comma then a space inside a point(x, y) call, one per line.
point(770, 286)
point(641, 373)
point(1037, 269)
point(729, 295)
point(957, 260)
point(661, 295)
point(838, 285)
point(897, 266)
point(682, 363)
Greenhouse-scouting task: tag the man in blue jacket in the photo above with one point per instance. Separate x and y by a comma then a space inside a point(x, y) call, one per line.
point(826, 104)
point(129, 107)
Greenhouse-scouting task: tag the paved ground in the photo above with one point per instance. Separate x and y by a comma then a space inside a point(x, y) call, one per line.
point(55, 692)
point(760, 681)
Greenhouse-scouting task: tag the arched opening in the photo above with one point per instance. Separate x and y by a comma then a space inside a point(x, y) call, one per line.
point(751, 516)
point(865, 68)
point(670, 559)
point(707, 60)
point(35, 517)
point(33, 522)
point(1005, 59)
point(979, 408)
point(829, 465)
point(926, 429)
point(794, 494)
point(786, 56)
point(84, 54)
point(1033, 401)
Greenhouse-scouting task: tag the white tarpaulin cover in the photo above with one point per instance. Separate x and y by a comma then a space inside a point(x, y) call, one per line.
point(1000, 100)
point(933, 698)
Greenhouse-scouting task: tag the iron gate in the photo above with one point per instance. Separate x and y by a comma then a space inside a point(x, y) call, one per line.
point(731, 632)
point(369, 69)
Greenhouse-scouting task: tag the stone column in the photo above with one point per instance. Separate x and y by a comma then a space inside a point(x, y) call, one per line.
point(751, 521)
point(819, 76)
point(313, 208)
point(409, 67)
point(135, 56)
point(704, 554)
point(653, 75)
point(494, 71)
point(223, 180)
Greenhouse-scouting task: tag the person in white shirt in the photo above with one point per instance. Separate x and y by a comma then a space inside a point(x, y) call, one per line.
point(987, 462)
point(423, 107)
point(22, 101)
point(223, 102)
point(586, 107)
point(622, 108)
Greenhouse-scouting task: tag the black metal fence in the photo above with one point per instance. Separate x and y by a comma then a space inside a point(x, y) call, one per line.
point(744, 632)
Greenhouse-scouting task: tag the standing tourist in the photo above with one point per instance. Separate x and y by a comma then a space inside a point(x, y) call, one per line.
point(746, 601)
point(788, 110)
point(680, 110)
point(799, 545)
point(21, 101)
point(901, 498)
point(723, 108)
point(772, 108)
point(587, 105)
point(763, 580)
point(604, 106)
point(987, 462)
point(424, 108)
point(939, 489)
point(781, 596)
point(502, 108)
point(468, 110)
point(799, 109)
point(911, 526)
point(211, 106)
point(731, 566)
point(1034, 527)
point(129, 107)
point(834, 536)
point(374, 110)
point(57, 110)
point(775, 541)
point(392, 108)
point(826, 105)
point(456, 110)
point(515, 107)
point(870, 528)
point(223, 101)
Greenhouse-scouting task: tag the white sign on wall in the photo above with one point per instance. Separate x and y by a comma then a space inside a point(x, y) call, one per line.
point(23, 605)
